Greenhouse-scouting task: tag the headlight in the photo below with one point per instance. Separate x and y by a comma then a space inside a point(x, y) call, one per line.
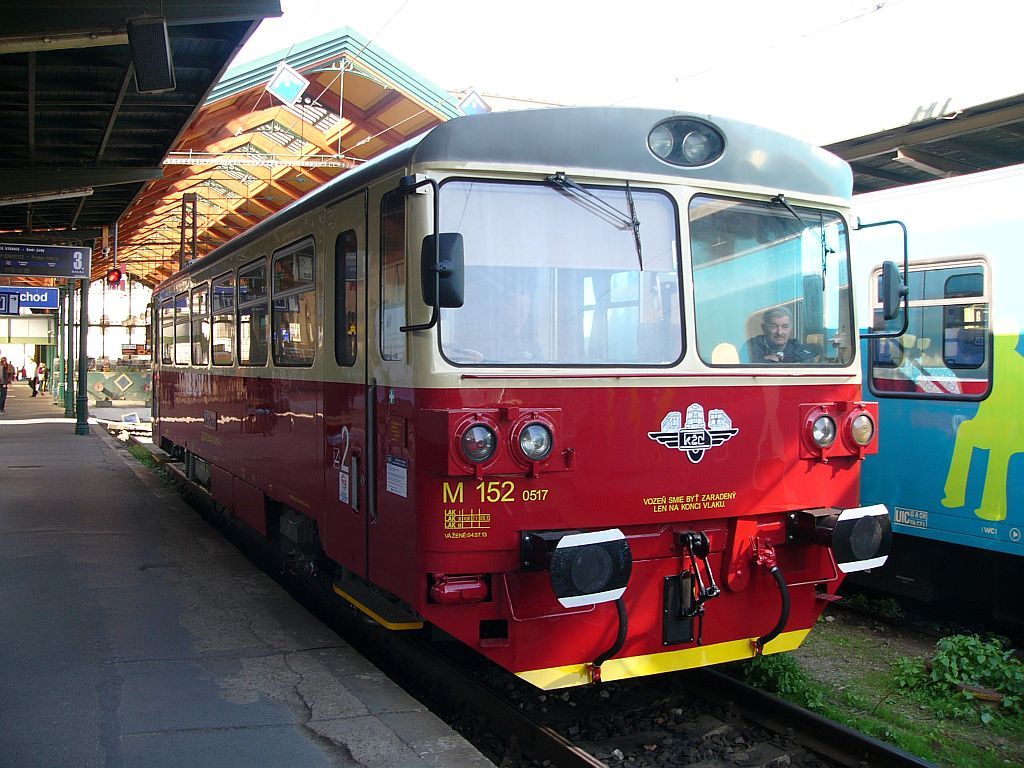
point(862, 429)
point(535, 441)
point(823, 431)
point(478, 443)
point(661, 141)
point(686, 142)
point(695, 147)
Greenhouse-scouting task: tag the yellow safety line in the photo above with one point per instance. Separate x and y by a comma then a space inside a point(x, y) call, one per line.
point(377, 617)
point(656, 663)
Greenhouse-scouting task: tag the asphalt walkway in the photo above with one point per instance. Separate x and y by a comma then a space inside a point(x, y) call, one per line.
point(134, 635)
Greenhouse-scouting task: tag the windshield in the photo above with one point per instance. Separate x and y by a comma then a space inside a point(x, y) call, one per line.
point(554, 280)
point(771, 284)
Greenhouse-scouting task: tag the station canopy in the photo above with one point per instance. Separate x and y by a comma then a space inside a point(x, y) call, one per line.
point(78, 139)
point(251, 151)
point(236, 156)
point(979, 138)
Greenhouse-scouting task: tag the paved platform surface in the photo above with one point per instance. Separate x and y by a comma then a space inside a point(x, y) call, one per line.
point(132, 634)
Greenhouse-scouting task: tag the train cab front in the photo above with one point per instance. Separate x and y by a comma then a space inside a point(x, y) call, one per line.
point(584, 606)
point(540, 561)
point(681, 597)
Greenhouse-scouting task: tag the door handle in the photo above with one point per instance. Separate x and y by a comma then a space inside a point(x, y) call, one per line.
point(354, 480)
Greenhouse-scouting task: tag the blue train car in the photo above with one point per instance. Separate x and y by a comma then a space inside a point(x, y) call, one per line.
point(950, 465)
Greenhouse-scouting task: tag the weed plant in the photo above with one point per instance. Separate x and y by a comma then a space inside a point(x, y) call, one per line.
point(142, 455)
point(964, 667)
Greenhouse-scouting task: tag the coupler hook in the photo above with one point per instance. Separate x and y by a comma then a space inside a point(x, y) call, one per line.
point(699, 546)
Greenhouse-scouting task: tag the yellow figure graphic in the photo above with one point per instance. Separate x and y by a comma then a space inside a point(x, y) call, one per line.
point(997, 427)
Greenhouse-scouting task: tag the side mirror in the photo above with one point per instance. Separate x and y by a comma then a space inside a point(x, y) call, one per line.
point(891, 290)
point(447, 249)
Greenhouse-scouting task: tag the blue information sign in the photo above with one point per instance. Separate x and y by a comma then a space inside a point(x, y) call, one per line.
point(37, 298)
point(45, 260)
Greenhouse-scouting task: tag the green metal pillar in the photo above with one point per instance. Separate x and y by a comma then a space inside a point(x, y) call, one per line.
point(82, 402)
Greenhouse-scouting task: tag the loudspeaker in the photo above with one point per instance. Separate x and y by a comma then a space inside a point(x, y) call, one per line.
point(151, 54)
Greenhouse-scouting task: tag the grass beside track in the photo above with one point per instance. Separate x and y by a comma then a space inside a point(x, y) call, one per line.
point(851, 669)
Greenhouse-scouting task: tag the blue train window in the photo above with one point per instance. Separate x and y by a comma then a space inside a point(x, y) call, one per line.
point(944, 352)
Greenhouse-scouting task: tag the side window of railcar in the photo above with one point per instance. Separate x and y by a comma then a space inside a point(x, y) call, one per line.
point(201, 325)
point(945, 352)
point(182, 342)
point(252, 313)
point(392, 277)
point(167, 330)
point(346, 318)
point(294, 305)
point(223, 304)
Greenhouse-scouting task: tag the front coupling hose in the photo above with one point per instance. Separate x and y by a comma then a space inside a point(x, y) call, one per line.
point(762, 641)
point(765, 556)
point(620, 639)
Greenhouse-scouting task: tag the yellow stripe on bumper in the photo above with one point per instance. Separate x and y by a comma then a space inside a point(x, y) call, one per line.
point(656, 663)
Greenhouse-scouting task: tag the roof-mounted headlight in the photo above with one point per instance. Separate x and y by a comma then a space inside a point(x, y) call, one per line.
point(686, 142)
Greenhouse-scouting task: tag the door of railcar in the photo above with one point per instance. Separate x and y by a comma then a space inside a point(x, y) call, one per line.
point(346, 515)
point(392, 540)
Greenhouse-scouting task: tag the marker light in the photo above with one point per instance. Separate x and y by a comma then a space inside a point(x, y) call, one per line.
point(686, 142)
point(823, 431)
point(535, 441)
point(862, 429)
point(478, 443)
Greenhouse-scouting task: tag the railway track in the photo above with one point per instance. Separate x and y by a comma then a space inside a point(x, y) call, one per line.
point(700, 717)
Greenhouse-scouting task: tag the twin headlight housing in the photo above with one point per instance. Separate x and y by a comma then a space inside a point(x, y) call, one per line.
point(839, 429)
point(686, 142)
point(479, 442)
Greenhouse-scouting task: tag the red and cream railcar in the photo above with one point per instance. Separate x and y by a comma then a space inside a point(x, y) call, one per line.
point(520, 379)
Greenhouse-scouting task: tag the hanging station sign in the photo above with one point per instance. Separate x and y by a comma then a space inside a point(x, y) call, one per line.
point(45, 260)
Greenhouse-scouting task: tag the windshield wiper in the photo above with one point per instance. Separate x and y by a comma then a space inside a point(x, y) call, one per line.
point(636, 226)
point(562, 181)
point(780, 199)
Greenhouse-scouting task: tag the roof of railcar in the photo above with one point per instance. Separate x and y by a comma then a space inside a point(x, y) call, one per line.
point(607, 139)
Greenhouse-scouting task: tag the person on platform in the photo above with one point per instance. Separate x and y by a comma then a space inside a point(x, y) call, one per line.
point(6, 376)
point(776, 343)
point(32, 375)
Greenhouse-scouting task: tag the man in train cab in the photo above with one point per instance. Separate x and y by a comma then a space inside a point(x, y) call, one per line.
point(776, 343)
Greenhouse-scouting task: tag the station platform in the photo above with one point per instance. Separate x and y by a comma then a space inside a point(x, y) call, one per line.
point(132, 634)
